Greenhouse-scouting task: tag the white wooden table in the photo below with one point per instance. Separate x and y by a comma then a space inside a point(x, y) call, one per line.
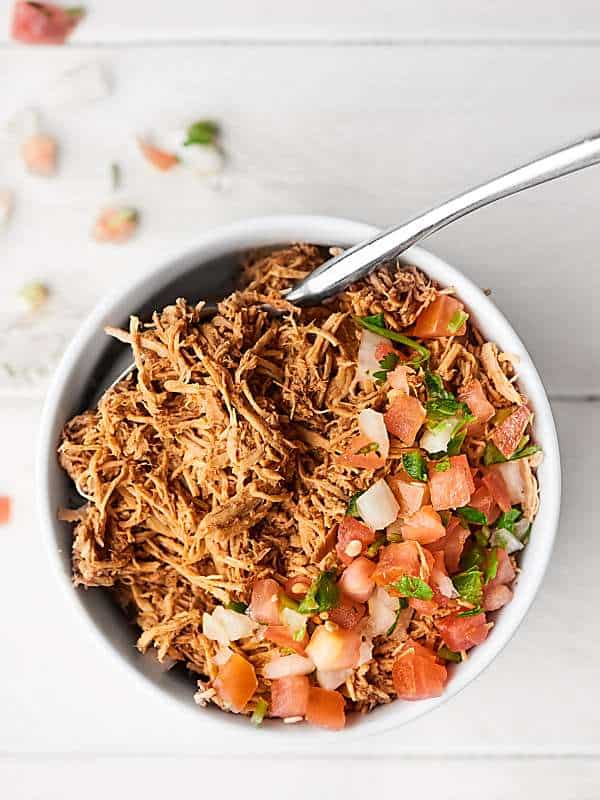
point(367, 110)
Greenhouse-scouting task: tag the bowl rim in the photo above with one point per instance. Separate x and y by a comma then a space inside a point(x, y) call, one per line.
point(323, 230)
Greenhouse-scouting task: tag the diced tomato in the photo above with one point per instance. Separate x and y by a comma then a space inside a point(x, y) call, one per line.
point(416, 673)
point(160, 159)
point(289, 696)
point(514, 476)
point(452, 544)
point(404, 418)
point(4, 510)
point(325, 708)
point(398, 378)
point(473, 395)
point(115, 225)
point(509, 433)
point(439, 576)
point(483, 501)
point(384, 349)
point(494, 597)
point(352, 458)
point(264, 603)
point(400, 559)
point(423, 608)
point(411, 495)
point(424, 526)
point(236, 682)
point(357, 581)
point(347, 613)
point(297, 587)
point(39, 154)
point(334, 649)
point(434, 320)
point(462, 633)
point(351, 530)
point(282, 637)
point(452, 488)
point(492, 478)
point(43, 23)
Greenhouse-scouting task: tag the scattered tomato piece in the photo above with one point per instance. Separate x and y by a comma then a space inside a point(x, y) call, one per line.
point(116, 225)
point(334, 649)
point(384, 349)
point(452, 544)
point(424, 526)
point(416, 673)
point(433, 322)
point(289, 696)
point(492, 478)
point(398, 379)
point(509, 433)
point(404, 558)
point(282, 637)
point(264, 602)
point(483, 501)
point(44, 23)
point(404, 418)
point(505, 573)
point(40, 154)
point(325, 708)
point(160, 159)
point(351, 530)
point(473, 395)
point(347, 613)
point(352, 457)
point(236, 682)
point(461, 633)
point(5, 509)
point(411, 495)
point(495, 597)
point(357, 580)
point(452, 488)
point(424, 608)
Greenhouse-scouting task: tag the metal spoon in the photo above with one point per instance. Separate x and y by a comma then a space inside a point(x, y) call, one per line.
point(337, 273)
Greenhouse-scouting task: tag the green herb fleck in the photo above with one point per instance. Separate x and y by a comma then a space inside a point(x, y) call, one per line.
point(236, 605)
point(449, 655)
point(415, 465)
point(472, 612)
point(457, 321)
point(389, 362)
point(115, 175)
point(409, 586)
point(322, 595)
point(456, 442)
point(491, 566)
point(402, 604)
point(472, 515)
point(376, 324)
point(204, 132)
point(506, 521)
point(352, 509)
point(469, 585)
point(299, 634)
point(443, 465)
point(373, 549)
point(491, 454)
point(473, 556)
point(260, 709)
point(368, 448)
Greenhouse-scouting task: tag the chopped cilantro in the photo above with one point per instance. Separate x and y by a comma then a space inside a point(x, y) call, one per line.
point(373, 549)
point(506, 521)
point(380, 375)
point(473, 556)
point(472, 612)
point(260, 709)
point(409, 586)
point(372, 447)
point(376, 324)
point(414, 463)
point(115, 175)
point(402, 604)
point(456, 442)
point(491, 566)
point(482, 536)
point(472, 515)
point(299, 634)
point(491, 454)
point(442, 404)
point(204, 132)
point(389, 362)
point(469, 585)
point(443, 465)
point(457, 321)
point(449, 655)
point(322, 595)
point(236, 605)
point(435, 387)
point(352, 509)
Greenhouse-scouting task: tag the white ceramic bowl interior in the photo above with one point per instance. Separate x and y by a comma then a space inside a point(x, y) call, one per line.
point(206, 272)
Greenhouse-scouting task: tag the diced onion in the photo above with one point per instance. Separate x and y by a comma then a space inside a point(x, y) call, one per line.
point(331, 679)
point(382, 612)
point(507, 540)
point(365, 654)
point(437, 440)
point(377, 506)
point(294, 620)
point(214, 630)
point(521, 528)
point(372, 425)
point(238, 626)
point(367, 363)
point(286, 666)
point(512, 475)
point(222, 656)
point(445, 586)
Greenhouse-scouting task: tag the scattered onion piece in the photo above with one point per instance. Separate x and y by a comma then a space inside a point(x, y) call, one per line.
point(367, 361)
point(287, 666)
point(372, 425)
point(377, 506)
point(331, 679)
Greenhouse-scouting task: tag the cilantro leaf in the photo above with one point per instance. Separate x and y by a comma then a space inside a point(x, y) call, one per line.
point(435, 387)
point(414, 463)
point(491, 454)
point(443, 465)
point(472, 557)
point(409, 586)
point(260, 709)
point(491, 566)
point(457, 320)
point(449, 655)
point(472, 612)
point(469, 585)
point(373, 548)
point(236, 605)
point(203, 132)
point(322, 595)
point(352, 509)
point(456, 442)
point(402, 604)
point(376, 324)
point(372, 447)
point(389, 362)
point(380, 375)
point(506, 521)
point(472, 515)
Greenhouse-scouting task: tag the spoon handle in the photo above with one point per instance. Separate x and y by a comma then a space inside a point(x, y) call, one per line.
point(337, 273)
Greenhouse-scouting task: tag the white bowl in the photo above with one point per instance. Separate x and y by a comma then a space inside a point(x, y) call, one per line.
point(205, 270)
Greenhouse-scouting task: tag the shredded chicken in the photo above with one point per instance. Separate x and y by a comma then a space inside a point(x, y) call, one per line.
point(214, 463)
